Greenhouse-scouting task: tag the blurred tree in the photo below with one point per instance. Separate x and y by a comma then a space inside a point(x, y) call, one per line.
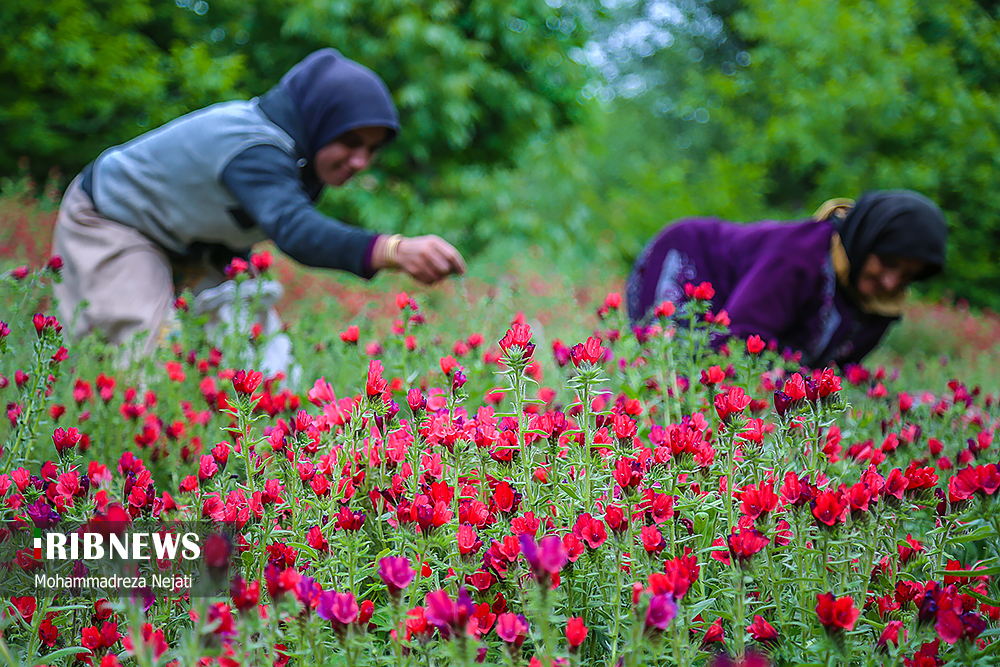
point(77, 76)
point(473, 79)
point(842, 97)
point(810, 99)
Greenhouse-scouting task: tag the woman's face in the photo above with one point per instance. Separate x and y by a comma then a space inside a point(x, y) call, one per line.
point(886, 276)
point(348, 154)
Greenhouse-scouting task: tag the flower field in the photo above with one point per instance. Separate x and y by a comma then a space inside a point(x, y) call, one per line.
point(446, 481)
point(438, 492)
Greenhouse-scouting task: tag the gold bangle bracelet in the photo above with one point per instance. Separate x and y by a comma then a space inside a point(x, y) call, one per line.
point(390, 253)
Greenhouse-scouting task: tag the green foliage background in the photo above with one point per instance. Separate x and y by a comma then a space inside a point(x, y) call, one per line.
point(579, 126)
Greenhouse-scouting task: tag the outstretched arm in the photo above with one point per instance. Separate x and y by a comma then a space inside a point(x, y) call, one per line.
point(265, 180)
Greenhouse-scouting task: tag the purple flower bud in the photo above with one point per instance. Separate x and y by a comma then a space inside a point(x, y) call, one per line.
point(782, 402)
point(662, 610)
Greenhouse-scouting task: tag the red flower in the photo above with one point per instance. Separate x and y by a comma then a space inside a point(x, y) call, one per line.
point(919, 479)
point(317, 540)
point(376, 385)
point(366, 612)
point(836, 614)
point(519, 336)
point(25, 607)
point(743, 544)
point(652, 539)
point(829, 383)
point(150, 638)
point(216, 552)
point(761, 630)
point(350, 335)
point(503, 497)
point(591, 352)
point(624, 427)
point(702, 292)
point(755, 344)
point(235, 267)
point(829, 508)
point(262, 261)
point(989, 477)
point(615, 518)
point(590, 530)
point(246, 382)
point(47, 632)
point(627, 474)
point(65, 440)
point(245, 596)
point(207, 468)
point(732, 402)
point(677, 576)
point(665, 309)
point(713, 376)
point(714, 634)
point(347, 519)
point(448, 364)
point(895, 484)
point(468, 540)
point(891, 634)
point(782, 402)
point(576, 631)
point(758, 500)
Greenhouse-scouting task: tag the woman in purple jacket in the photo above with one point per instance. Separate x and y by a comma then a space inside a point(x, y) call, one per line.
point(829, 287)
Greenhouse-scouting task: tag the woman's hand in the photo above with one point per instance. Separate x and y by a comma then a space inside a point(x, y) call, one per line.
point(427, 259)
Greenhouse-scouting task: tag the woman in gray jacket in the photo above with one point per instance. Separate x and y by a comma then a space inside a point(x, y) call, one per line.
point(170, 208)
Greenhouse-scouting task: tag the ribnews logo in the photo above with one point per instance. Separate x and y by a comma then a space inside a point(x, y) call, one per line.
point(190, 558)
point(136, 546)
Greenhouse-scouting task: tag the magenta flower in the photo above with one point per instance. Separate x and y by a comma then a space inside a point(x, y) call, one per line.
point(512, 628)
point(662, 610)
point(448, 615)
point(439, 608)
point(341, 609)
point(308, 592)
point(545, 558)
point(396, 573)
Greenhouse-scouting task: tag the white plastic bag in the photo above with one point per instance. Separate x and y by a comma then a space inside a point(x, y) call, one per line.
point(236, 308)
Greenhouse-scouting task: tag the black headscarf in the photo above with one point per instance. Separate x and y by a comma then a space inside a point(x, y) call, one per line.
point(335, 95)
point(894, 222)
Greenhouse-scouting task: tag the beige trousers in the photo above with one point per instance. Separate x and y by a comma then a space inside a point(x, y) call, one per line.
point(114, 279)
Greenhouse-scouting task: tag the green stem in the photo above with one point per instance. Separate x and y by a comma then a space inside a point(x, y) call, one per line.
point(740, 619)
point(587, 442)
point(617, 608)
point(775, 587)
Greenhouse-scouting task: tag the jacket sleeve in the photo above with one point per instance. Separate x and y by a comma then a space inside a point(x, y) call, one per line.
point(265, 180)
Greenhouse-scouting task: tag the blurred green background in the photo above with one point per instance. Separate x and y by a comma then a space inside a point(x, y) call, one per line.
point(578, 126)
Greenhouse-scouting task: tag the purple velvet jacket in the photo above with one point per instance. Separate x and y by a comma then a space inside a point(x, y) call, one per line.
point(775, 279)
